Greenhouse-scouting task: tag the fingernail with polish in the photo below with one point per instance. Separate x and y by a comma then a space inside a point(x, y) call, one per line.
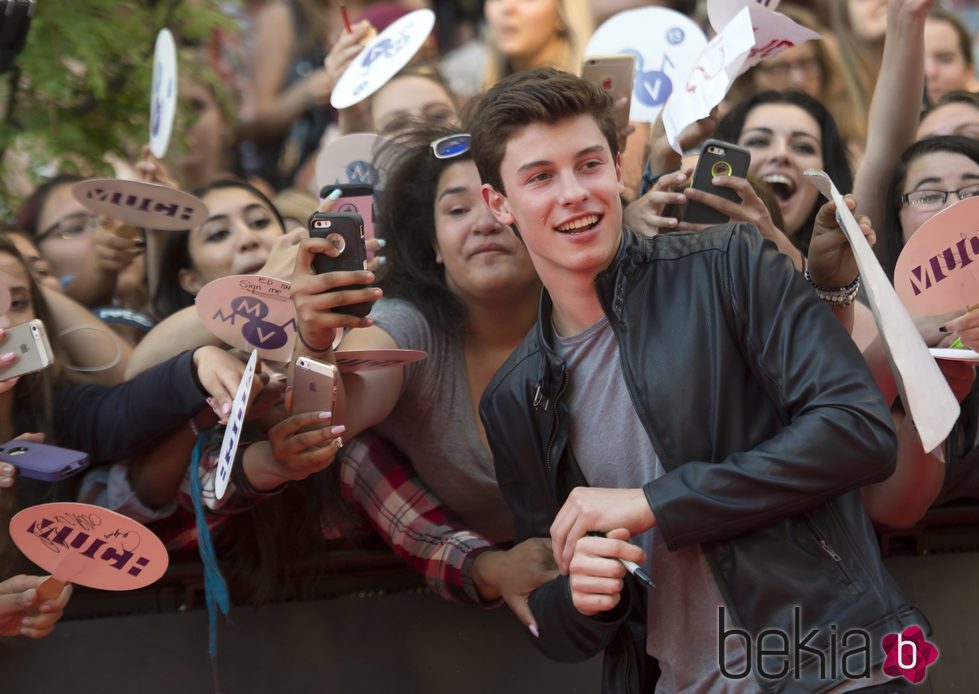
point(226, 408)
point(334, 195)
point(533, 630)
point(7, 357)
point(7, 469)
point(382, 260)
point(325, 415)
point(381, 243)
point(338, 429)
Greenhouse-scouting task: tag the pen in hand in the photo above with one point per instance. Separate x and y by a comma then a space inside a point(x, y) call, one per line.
point(632, 567)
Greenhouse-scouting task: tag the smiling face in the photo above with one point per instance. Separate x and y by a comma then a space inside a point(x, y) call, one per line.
point(946, 69)
point(942, 171)
point(482, 258)
point(234, 240)
point(524, 30)
point(562, 191)
point(784, 141)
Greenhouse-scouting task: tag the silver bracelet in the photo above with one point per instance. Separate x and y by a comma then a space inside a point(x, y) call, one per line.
point(838, 297)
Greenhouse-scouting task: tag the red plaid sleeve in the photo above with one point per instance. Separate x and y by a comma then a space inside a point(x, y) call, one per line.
point(381, 482)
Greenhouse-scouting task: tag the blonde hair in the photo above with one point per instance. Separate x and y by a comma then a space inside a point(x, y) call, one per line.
point(860, 60)
point(575, 16)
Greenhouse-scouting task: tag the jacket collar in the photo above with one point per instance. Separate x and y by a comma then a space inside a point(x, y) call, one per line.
point(609, 286)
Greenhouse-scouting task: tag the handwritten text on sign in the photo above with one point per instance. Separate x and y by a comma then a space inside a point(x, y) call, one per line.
point(117, 552)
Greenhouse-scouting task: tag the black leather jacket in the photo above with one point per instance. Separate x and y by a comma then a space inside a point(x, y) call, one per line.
point(767, 421)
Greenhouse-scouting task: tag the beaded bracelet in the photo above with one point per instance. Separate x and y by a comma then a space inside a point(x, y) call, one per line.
point(838, 297)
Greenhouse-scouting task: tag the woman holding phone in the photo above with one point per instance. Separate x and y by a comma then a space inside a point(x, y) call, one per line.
point(461, 288)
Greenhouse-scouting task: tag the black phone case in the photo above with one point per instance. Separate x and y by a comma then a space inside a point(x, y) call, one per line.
point(347, 190)
point(39, 461)
point(737, 158)
point(353, 257)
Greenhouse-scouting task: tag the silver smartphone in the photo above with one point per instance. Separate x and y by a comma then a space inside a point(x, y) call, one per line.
point(30, 343)
point(314, 386)
point(614, 74)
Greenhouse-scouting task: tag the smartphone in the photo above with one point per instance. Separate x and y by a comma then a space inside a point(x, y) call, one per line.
point(614, 74)
point(314, 386)
point(30, 342)
point(42, 462)
point(346, 229)
point(357, 198)
point(717, 158)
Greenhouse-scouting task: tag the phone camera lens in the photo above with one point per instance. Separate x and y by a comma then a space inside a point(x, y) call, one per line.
point(721, 168)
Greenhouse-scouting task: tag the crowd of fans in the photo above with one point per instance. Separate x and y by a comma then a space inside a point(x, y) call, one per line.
point(885, 103)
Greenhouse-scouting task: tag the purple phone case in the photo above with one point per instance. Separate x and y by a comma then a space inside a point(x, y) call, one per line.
point(39, 461)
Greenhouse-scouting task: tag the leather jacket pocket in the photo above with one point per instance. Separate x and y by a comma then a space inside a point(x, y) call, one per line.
point(832, 555)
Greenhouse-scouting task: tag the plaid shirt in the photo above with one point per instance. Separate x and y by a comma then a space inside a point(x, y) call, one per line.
point(381, 482)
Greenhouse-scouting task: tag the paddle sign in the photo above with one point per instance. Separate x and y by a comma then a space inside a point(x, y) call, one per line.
point(938, 270)
point(250, 312)
point(382, 58)
point(232, 432)
point(349, 159)
point(89, 545)
point(140, 204)
point(666, 45)
point(163, 93)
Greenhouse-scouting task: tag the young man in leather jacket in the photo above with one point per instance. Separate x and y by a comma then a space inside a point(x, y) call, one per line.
point(691, 394)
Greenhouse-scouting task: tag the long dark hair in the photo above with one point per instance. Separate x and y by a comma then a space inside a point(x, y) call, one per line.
point(169, 296)
point(406, 219)
point(836, 160)
point(33, 412)
point(893, 233)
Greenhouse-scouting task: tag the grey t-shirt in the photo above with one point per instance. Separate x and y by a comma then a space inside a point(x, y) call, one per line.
point(613, 450)
point(434, 425)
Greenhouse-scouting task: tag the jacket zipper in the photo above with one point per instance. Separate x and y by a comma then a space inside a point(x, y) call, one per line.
point(830, 552)
point(554, 427)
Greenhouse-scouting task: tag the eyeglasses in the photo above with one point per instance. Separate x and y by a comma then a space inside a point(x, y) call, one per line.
point(71, 227)
point(451, 146)
point(932, 200)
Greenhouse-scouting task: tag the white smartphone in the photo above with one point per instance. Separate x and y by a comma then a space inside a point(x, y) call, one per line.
point(314, 386)
point(614, 74)
point(30, 343)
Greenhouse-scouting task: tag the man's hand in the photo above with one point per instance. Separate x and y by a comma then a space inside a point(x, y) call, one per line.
point(594, 509)
point(20, 611)
point(597, 573)
point(514, 574)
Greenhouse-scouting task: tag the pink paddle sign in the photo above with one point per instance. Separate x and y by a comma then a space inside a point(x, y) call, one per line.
point(938, 270)
point(250, 312)
point(351, 360)
point(89, 545)
point(140, 204)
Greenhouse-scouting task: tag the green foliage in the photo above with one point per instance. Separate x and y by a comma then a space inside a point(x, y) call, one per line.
point(85, 79)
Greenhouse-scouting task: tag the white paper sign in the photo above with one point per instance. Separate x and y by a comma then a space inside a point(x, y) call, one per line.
point(753, 35)
point(923, 388)
point(163, 95)
point(382, 58)
point(707, 84)
point(141, 204)
point(232, 433)
point(720, 12)
point(666, 45)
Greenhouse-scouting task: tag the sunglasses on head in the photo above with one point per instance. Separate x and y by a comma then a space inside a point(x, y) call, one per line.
point(451, 146)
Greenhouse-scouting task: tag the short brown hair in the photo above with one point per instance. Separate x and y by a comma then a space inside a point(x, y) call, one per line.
point(543, 95)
